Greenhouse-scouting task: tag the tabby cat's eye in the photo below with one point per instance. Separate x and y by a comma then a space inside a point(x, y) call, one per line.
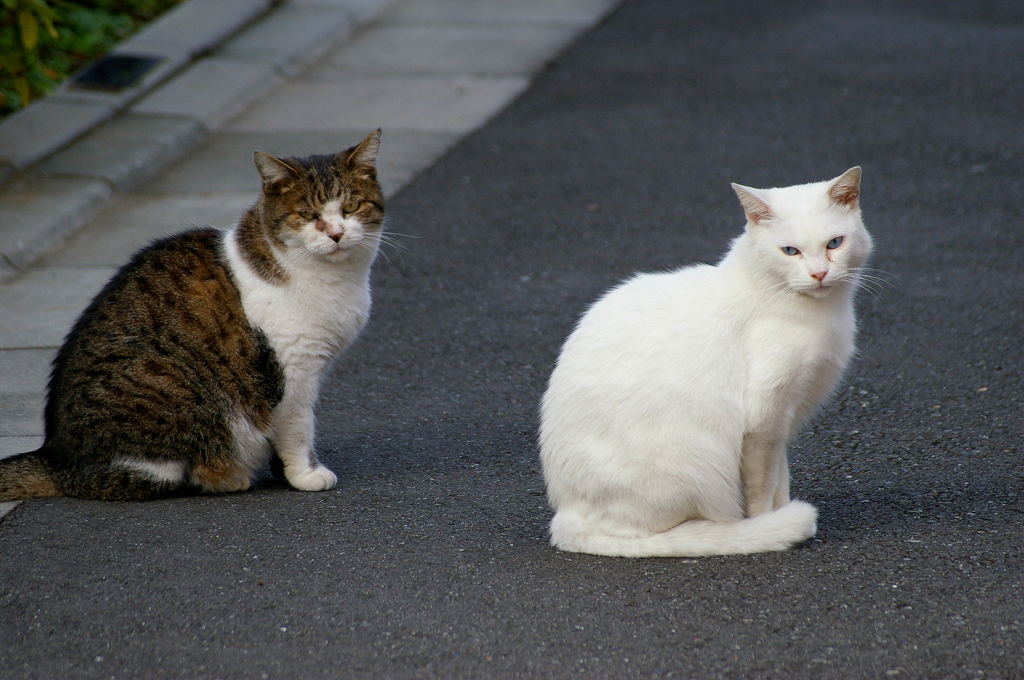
point(835, 243)
point(351, 206)
point(790, 250)
point(307, 215)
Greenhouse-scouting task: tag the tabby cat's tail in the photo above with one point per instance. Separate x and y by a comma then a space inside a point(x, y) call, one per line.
point(776, 530)
point(25, 476)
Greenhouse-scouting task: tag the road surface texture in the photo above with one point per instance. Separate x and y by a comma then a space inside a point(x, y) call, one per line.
point(430, 559)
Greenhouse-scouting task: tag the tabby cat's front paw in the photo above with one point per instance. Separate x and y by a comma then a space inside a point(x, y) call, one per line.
point(317, 479)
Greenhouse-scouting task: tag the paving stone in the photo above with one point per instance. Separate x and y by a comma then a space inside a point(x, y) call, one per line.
point(292, 37)
point(23, 376)
point(21, 416)
point(39, 213)
point(194, 27)
point(224, 163)
point(578, 13)
point(40, 307)
point(11, 445)
point(478, 50)
point(127, 150)
point(5, 508)
point(211, 91)
point(48, 124)
point(324, 101)
point(170, 63)
point(361, 11)
point(132, 221)
point(25, 371)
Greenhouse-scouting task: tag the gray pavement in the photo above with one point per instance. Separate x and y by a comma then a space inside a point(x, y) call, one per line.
point(429, 560)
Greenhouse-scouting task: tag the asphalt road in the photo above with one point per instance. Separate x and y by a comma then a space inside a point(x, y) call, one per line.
point(429, 559)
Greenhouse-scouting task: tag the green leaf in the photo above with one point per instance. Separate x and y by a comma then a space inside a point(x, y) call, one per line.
point(29, 29)
point(12, 63)
point(48, 25)
point(21, 87)
point(47, 16)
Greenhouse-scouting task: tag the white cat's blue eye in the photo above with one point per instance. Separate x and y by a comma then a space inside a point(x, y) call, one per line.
point(790, 250)
point(835, 243)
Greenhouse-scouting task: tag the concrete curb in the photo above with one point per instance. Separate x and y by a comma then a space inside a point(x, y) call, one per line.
point(62, 157)
point(176, 38)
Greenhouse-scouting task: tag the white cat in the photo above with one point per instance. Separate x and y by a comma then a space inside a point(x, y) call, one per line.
point(665, 424)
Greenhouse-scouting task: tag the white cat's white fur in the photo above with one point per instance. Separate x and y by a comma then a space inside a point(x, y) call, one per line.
point(309, 320)
point(665, 423)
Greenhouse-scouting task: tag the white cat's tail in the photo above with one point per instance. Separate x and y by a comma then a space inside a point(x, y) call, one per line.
point(776, 530)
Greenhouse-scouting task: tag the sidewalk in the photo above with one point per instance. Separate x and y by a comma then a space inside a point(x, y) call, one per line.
point(427, 72)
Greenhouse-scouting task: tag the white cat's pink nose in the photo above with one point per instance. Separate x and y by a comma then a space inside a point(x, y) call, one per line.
point(819, 276)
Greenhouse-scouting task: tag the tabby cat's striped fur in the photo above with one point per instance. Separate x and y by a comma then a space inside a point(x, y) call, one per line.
point(201, 359)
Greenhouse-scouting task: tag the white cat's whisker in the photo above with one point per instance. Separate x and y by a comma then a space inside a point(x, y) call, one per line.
point(874, 285)
point(781, 286)
point(885, 280)
point(871, 290)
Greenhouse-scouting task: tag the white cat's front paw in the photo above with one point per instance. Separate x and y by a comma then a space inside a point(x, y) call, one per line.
point(317, 479)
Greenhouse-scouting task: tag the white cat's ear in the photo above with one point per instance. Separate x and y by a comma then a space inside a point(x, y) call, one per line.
point(273, 171)
point(366, 153)
point(845, 189)
point(756, 208)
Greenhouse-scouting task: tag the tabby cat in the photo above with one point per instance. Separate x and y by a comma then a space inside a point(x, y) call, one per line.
point(201, 359)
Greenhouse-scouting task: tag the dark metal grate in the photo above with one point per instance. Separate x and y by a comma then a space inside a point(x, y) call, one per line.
point(115, 72)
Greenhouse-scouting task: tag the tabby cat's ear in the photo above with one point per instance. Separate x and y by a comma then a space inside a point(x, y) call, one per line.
point(365, 154)
point(845, 189)
point(756, 208)
point(276, 174)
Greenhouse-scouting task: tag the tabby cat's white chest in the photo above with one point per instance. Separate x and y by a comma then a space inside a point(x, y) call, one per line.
point(317, 313)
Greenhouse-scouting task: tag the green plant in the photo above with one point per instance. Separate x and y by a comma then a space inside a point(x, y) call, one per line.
point(42, 42)
point(20, 55)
